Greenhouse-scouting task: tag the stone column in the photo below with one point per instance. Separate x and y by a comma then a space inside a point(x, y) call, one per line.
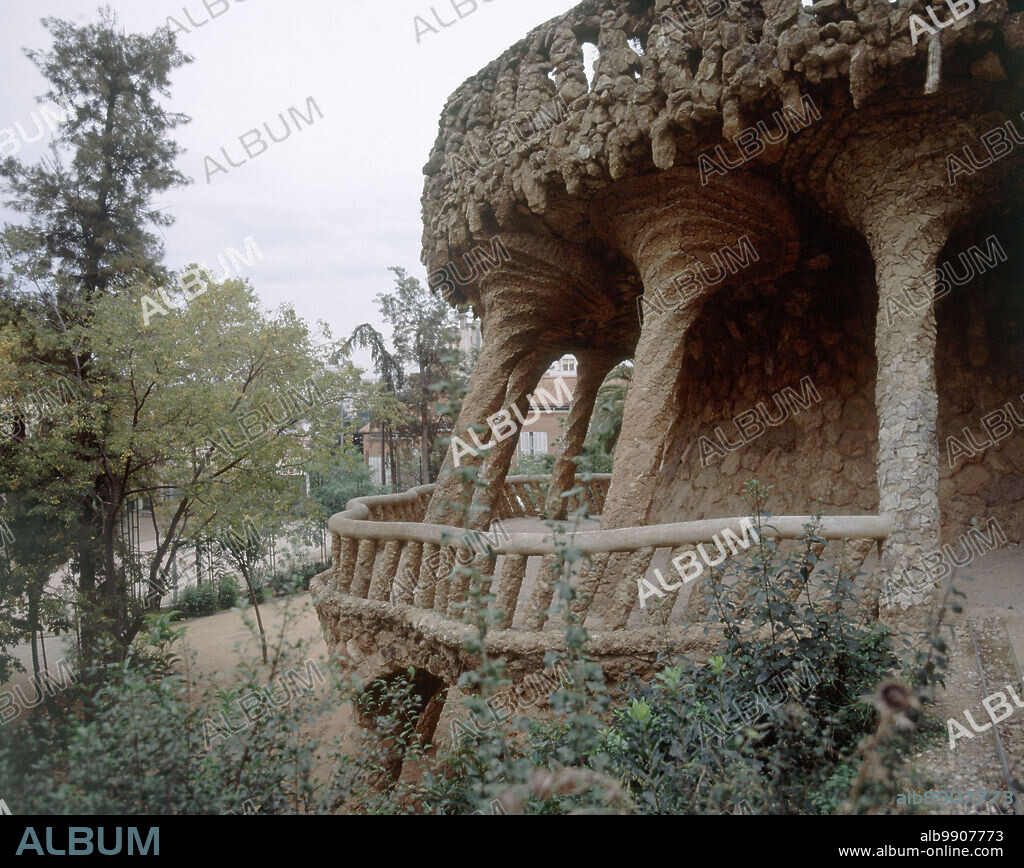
point(526, 291)
point(528, 288)
point(651, 408)
point(503, 349)
point(906, 396)
point(593, 369)
point(889, 177)
point(499, 456)
point(688, 240)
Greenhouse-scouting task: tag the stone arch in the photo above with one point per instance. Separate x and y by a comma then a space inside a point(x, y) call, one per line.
point(383, 698)
point(744, 407)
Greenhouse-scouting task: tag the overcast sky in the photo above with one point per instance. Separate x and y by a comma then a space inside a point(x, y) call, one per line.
point(333, 206)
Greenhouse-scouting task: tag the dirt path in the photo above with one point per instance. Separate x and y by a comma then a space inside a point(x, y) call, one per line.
point(220, 642)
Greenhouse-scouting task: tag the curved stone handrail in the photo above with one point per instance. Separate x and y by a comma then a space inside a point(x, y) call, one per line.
point(356, 523)
point(393, 598)
point(371, 536)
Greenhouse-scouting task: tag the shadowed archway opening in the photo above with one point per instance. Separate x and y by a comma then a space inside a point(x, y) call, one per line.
point(403, 709)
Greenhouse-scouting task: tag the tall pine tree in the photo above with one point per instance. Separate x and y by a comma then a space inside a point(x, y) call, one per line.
point(88, 231)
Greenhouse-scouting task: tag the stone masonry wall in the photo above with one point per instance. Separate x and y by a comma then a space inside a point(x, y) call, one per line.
point(819, 323)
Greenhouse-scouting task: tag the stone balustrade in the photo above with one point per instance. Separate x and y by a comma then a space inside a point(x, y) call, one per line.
point(372, 535)
point(392, 601)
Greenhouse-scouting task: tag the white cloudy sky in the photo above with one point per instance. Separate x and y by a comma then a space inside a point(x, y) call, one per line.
point(333, 206)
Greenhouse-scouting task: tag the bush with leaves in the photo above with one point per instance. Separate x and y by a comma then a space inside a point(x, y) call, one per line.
point(228, 592)
point(196, 601)
point(295, 579)
point(150, 736)
point(775, 722)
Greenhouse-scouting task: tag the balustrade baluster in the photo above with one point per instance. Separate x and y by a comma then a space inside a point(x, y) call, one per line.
point(624, 596)
point(513, 572)
point(348, 552)
point(364, 568)
point(404, 588)
point(384, 570)
point(543, 591)
point(430, 567)
point(661, 607)
point(447, 561)
point(587, 583)
point(458, 584)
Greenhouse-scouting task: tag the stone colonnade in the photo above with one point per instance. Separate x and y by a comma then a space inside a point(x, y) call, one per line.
point(677, 229)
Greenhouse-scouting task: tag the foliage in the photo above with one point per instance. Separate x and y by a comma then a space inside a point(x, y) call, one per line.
point(689, 740)
point(196, 601)
point(609, 408)
point(794, 708)
point(206, 411)
point(772, 719)
point(341, 476)
point(294, 580)
point(228, 592)
point(407, 406)
point(154, 739)
point(86, 234)
point(534, 465)
point(423, 330)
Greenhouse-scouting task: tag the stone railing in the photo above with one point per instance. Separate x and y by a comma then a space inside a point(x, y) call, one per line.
point(382, 552)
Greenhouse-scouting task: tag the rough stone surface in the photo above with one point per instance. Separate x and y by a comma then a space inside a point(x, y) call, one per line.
point(811, 132)
point(689, 138)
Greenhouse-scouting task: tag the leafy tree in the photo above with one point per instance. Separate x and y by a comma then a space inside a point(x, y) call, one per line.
point(383, 406)
point(344, 475)
point(208, 411)
point(225, 408)
point(87, 233)
point(408, 404)
point(32, 548)
point(423, 333)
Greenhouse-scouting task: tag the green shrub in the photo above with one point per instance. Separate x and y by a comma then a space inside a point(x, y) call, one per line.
point(162, 742)
point(261, 589)
point(228, 592)
point(198, 600)
point(691, 740)
point(534, 465)
point(293, 580)
point(774, 722)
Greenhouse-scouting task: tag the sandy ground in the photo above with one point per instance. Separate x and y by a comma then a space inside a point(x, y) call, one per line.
point(220, 642)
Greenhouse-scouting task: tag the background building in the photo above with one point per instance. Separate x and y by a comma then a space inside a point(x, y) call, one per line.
point(539, 437)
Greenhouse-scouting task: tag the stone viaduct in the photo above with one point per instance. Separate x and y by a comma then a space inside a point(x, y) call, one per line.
point(757, 202)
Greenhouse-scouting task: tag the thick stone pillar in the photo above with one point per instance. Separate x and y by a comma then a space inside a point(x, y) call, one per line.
point(499, 456)
point(503, 349)
point(890, 178)
point(906, 397)
point(651, 408)
point(592, 371)
point(688, 241)
point(527, 291)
